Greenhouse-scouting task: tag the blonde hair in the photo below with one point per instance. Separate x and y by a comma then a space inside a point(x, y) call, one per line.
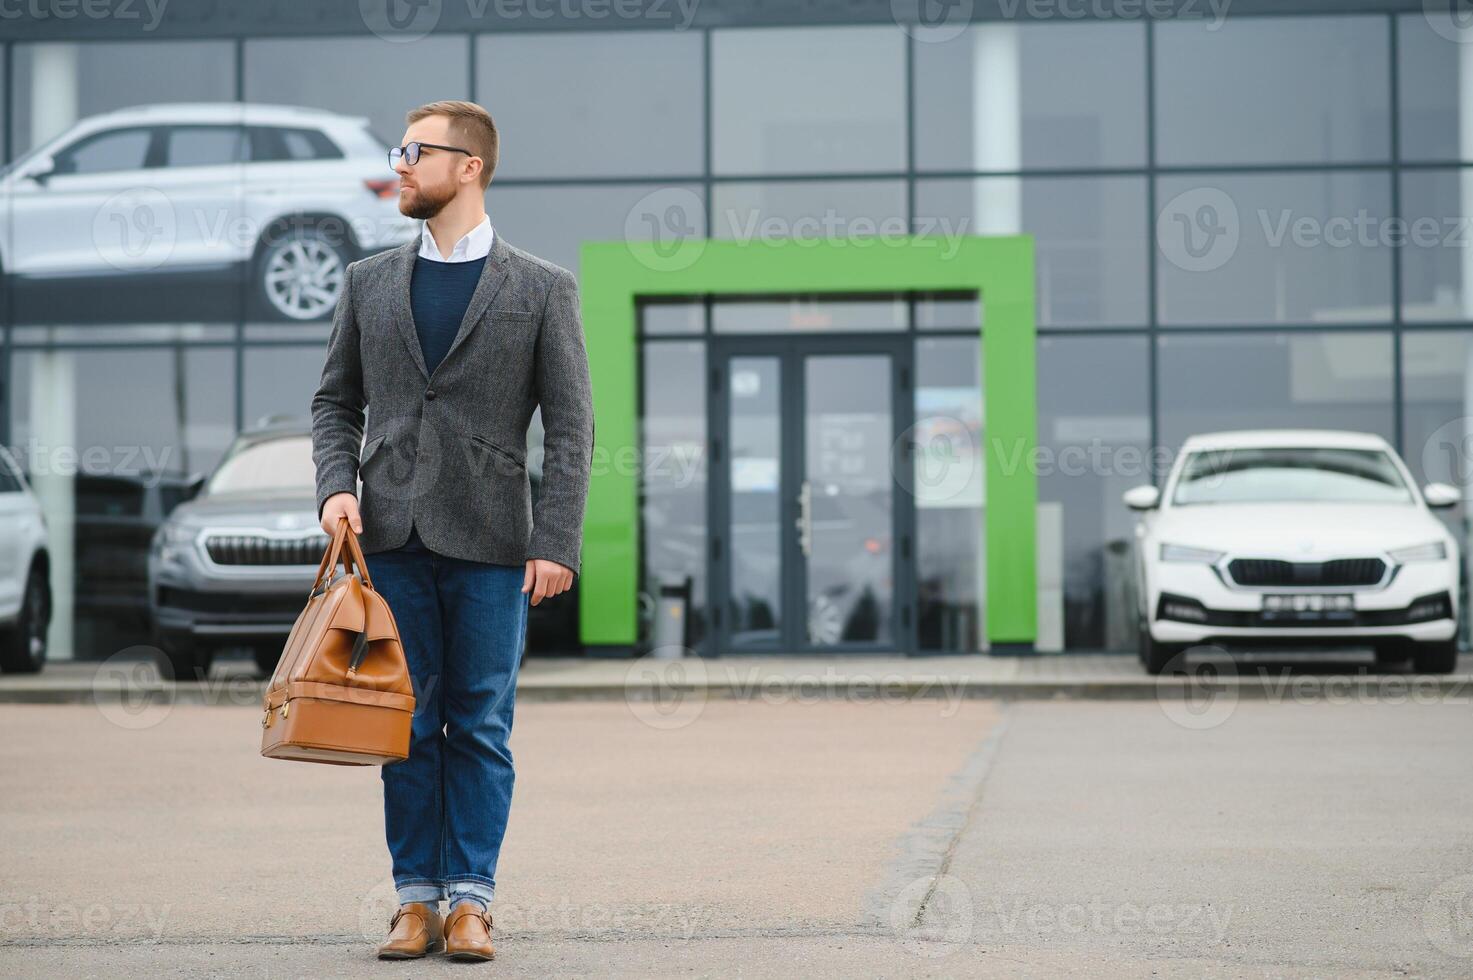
point(470, 126)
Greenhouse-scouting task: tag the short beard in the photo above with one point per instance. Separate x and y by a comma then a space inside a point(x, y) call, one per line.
point(426, 205)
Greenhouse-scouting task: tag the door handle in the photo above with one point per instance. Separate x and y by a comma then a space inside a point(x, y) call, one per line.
point(805, 519)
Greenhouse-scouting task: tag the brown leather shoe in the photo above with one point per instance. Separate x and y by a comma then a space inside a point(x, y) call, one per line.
point(414, 930)
point(468, 933)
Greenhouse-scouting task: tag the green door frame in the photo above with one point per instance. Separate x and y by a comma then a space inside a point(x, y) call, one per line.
point(614, 275)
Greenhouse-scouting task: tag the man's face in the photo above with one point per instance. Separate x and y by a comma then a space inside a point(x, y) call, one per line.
point(429, 185)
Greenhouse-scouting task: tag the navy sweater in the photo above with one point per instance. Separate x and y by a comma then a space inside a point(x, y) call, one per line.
point(439, 292)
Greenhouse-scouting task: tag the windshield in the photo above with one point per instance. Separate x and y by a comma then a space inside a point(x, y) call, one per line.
point(275, 464)
point(1290, 475)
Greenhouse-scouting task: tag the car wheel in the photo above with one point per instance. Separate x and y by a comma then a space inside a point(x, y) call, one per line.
point(23, 646)
point(1154, 656)
point(267, 658)
point(299, 274)
point(184, 658)
point(1435, 658)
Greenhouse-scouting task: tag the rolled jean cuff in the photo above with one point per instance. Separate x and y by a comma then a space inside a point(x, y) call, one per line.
point(427, 892)
point(470, 888)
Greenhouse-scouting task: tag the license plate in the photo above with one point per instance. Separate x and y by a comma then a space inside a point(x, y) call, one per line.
point(1302, 606)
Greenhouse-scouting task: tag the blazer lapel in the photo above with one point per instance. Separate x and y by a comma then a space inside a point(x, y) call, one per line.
point(403, 312)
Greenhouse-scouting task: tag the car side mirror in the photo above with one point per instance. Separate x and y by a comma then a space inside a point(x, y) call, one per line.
point(1145, 497)
point(194, 486)
point(1442, 495)
point(43, 170)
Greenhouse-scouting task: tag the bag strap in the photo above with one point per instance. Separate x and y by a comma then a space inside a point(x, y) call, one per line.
point(353, 557)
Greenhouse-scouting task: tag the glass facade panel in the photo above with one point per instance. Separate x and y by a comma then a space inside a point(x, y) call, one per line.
point(359, 76)
point(1011, 97)
point(951, 581)
point(823, 314)
point(1087, 233)
point(809, 210)
point(1435, 86)
point(808, 100)
point(106, 478)
point(1437, 257)
point(673, 497)
point(553, 222)
point(1273, 248)
point(1265, 380)
point(1094, 428)
point(625, 104)
point(1272, 90)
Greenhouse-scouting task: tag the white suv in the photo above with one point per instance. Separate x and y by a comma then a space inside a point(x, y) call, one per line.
point(286, 195)
point(25, 573)
point(1295, 540)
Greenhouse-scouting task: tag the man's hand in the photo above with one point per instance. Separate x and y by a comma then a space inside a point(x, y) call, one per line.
point(546, 578)
point(336, 506)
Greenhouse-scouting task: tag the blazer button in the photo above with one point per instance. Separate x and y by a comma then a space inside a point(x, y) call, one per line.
point(430, 394)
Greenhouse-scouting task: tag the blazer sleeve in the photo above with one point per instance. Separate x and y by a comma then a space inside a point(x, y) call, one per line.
point(566, 397)
point(337, 407)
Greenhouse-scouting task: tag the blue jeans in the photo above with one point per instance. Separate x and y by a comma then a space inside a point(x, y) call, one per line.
point(463, 624)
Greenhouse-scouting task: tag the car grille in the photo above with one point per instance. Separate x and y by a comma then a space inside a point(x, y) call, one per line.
point(1276, 572)
point(258, 549)
point(239, 604)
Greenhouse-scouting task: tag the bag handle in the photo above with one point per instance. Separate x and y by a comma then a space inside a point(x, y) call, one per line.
point(342, 534)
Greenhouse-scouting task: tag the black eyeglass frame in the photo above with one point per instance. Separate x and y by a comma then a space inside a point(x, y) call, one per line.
point(403, 151)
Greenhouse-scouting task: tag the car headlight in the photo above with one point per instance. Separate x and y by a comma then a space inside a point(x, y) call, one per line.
point(1431, 551)
point(172, 540)
point(1181, 552)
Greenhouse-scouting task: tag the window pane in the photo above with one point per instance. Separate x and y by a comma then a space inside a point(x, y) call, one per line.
point(1274, 381)
point(281, 381)
point(608, 104)
point(806, 100)
point(1272, 90)
point(1437, 416)
point(1274, 248)
point(1437, 259)
point(369, 76)
point(122, 472)
point(1017, 96)
point(1435, 87)
point(204, 146)
point(1094, 426)
point(663, 317)
point(947, 484)
point(809, 210)
point(807, 313)
point(122, 149)
point(554, 222)
point(1090, 244)
point(106, 76)
point(673, 434)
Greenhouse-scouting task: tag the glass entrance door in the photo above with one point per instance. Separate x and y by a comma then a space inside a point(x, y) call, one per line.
point(811, 528)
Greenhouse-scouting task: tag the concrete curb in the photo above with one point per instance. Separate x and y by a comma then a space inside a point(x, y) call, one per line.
point(239, 692)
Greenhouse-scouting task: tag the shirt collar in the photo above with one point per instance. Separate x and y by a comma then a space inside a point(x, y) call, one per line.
point(474, 244)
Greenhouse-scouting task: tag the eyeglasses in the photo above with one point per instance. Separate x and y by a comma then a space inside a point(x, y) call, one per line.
point(409, 152)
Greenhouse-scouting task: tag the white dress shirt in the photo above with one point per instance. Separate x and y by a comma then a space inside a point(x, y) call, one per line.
point(474, 244)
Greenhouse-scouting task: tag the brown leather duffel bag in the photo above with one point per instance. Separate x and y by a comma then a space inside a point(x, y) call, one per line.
point(341, 692)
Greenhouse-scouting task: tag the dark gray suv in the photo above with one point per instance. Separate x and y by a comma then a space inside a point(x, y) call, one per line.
point(233, 565)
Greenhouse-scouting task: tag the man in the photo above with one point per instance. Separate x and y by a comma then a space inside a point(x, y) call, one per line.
point(450, 342)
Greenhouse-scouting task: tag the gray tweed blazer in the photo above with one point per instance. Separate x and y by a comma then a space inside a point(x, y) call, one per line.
point(449, 450)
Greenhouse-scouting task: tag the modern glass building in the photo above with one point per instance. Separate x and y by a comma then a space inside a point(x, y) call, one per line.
point(1252, 220)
